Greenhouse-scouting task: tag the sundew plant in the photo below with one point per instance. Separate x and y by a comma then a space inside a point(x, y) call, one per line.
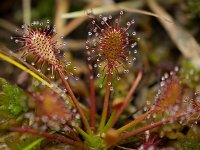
point(102, 97)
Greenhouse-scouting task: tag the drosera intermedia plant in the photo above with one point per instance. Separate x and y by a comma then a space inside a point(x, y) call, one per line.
point(109, 46)
point(41, 44)
point(113, 51)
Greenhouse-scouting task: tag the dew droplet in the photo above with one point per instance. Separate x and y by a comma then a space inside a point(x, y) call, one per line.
point(134, 33)
point(89, 33)
point(121, 12)
point(89, 58)
point(16, 41)
point(105, 18)
point(163, 78)
point(154, 115)
point(95, 65)
point(145, 108)
point(176, 68)
point(126, 71)
point(111, 88)
point(135, 51)
point(74, 110)
point(166, 75)
point(162, 83)
point(118, 78)
point(100, 85)
point(77, 116)
point(128, 23)
point(148, 102)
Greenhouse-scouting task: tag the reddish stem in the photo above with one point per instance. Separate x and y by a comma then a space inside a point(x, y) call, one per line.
point(151, 126)
point(124, 136)
point(74, 135)
point(92, 98)
point(106, 103)
point(126, 100)
point(49, 136)
point(75, 101)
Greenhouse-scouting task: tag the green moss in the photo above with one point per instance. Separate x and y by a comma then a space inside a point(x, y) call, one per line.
point(187, 144)
point(12, 100)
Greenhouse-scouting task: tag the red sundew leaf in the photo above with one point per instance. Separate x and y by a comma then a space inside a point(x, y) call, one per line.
point(39, 42)
point(52, 106)
point(170, 92)
point(110, 44)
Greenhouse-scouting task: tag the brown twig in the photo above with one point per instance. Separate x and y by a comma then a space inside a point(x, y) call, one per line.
point(183, 39)
point(72, 25)
point(26, 11)
point(62, 6)
point(9, 26)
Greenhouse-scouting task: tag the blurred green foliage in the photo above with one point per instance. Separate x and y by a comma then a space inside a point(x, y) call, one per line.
point(194, 8)
point(12, 100)
point(43, 9)
point(190, 76)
